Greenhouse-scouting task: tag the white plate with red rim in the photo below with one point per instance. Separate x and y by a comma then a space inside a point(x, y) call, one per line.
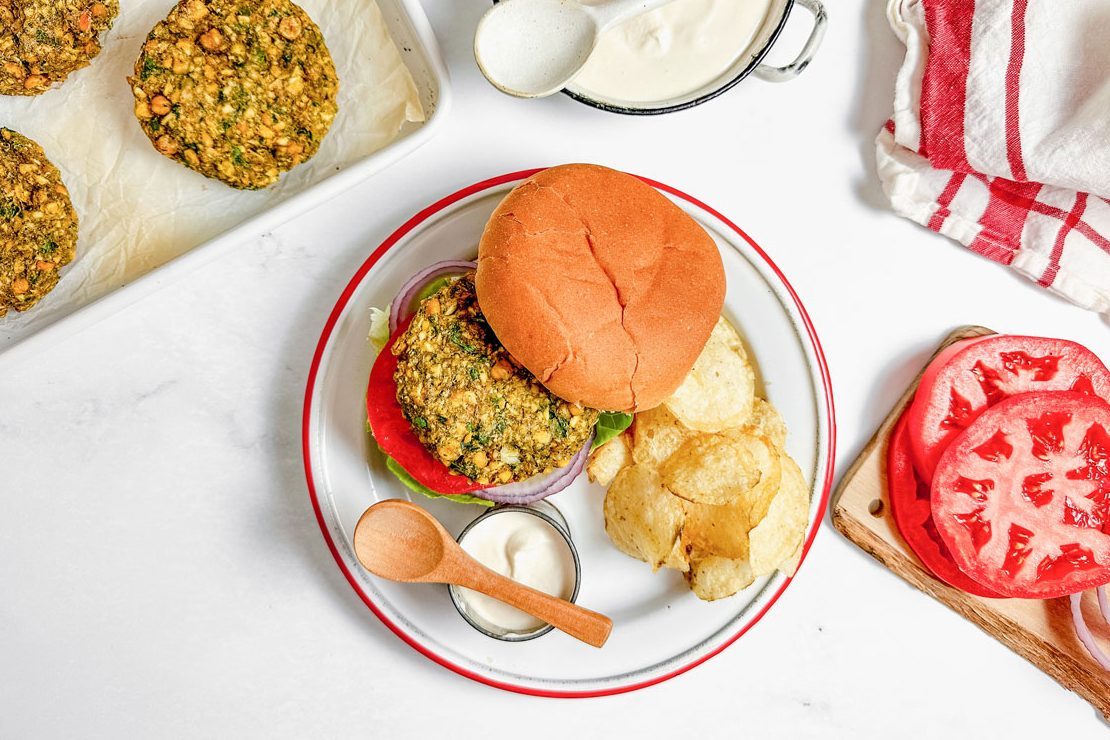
point(660, 628)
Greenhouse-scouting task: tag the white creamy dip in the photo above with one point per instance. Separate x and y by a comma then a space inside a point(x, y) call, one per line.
point(527, 549)
point(671, 51)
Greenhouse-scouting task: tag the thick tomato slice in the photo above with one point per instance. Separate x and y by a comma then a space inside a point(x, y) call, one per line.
point(1022, 497)
point(908, 496)
point(971, 376)
point(394, 434)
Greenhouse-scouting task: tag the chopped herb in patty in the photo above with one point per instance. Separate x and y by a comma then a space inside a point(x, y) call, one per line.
point(43, 41)
point(238, 91)
point(38, 226)
point(493, 421)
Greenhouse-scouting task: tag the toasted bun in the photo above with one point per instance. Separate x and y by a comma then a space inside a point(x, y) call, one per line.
point(599, 285)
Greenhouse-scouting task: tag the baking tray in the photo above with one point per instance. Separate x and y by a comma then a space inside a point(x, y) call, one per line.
point(413, 36)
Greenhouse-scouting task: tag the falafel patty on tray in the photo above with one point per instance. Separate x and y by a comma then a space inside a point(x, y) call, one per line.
point(238, 91)
point(38, 226)
point(43, 41)
point(471, 405)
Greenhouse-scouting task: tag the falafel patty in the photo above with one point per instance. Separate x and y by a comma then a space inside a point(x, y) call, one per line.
point(43, 41)
point(237, 90)
point(471, 405)
point(38, 226)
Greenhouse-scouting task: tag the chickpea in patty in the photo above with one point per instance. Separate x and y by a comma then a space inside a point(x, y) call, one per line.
point(38, 226)
point(238, 90)
point(43, 41)
point(471, 405)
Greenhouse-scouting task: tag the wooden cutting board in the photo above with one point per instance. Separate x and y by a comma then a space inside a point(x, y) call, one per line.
point(1040, 631)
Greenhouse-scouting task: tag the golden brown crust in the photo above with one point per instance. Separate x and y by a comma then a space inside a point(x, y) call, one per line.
point(238, 91)
point(43, 41)
point(599, 285)
point(476, 410)
point(38, 226)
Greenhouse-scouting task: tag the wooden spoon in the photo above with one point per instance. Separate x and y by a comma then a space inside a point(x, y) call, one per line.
point(400, 541)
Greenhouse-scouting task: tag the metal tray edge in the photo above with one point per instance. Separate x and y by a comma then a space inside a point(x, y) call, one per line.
point(297, 205)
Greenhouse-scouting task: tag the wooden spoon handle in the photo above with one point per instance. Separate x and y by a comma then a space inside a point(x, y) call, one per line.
point(578, 622)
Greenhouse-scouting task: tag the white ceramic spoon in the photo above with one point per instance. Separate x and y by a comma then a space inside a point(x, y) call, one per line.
point(534, 48)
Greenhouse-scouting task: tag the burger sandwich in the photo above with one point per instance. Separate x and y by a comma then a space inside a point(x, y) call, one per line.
point(591, 298)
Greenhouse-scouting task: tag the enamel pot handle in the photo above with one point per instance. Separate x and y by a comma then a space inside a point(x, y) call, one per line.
point(790, 71)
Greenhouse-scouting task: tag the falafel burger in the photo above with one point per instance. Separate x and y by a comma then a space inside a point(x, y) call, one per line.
point(591, 298)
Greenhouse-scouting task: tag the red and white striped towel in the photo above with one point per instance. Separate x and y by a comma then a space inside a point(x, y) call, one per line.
point(1000, 137)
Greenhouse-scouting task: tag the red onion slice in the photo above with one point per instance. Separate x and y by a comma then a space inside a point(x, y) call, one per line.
point(401, 307)
point(1103, 603)
point(540, 486)
point(1082, 631)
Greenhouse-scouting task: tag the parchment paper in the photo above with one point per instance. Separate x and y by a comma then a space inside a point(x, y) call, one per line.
point(138, 209)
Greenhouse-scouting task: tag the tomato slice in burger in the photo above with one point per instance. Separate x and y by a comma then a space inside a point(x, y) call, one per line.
point(1022, 496)
point(394, 434)
point(971, 376)
point(908, 496)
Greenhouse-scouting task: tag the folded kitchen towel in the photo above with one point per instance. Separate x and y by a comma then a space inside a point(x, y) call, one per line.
point(1000, 137)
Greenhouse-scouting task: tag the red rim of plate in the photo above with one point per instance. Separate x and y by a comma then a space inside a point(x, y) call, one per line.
point(341, 304)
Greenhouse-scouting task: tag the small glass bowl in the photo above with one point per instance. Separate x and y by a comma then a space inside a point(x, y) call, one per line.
point(547, 512)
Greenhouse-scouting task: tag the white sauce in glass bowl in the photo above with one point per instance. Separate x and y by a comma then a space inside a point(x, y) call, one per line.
point(527, 549)
point(671, 51)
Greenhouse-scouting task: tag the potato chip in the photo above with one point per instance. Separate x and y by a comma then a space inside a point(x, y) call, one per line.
point(766, 421)
point(715, 577)
point(608, 460)
point(656, 434)
point(716, 530)
point(790, 567)
point(710, 469)
point(719, 390)
point(766, 459)
point(677, 559)
point(641, 518)
point(701, 484)
point(774, 540)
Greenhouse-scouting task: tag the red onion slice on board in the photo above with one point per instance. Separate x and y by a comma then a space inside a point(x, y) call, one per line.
point(1083, 632)
point(401, 307)
point(540, 486)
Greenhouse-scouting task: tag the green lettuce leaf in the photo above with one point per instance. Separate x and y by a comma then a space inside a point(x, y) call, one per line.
point(379, 317)
point(609, 425)
point(379, 327)
point(414, 485)
point(432, 288)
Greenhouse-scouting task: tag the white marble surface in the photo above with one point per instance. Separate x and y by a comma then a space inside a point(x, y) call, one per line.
point(161, 573)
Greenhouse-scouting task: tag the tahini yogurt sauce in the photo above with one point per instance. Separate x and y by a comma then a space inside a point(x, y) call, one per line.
point(671, 51)
point(527, 549)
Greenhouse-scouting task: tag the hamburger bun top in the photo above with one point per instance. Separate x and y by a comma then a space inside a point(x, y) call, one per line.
point(599, 285)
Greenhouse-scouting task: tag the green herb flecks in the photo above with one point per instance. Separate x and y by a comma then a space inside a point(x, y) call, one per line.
point(465, 468)
point(560, 427)
point(456, 338)
point(150, 68)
